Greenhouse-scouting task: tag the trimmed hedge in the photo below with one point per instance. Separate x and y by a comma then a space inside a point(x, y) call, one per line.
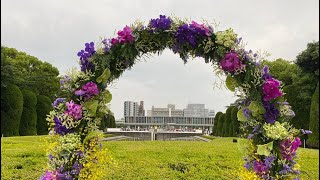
point(28, 122)
point(220, 124)
point(215, 124)
point(43, 108)
point(235, 122)
point(313, 140)
point(12, 101)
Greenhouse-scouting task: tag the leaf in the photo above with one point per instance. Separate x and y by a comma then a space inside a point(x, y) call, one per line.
point(91, 106)
point(256, 108)
point(107, 96)
point(265, 149)
point(104, 76)
point(241, 116)
point(231, 83)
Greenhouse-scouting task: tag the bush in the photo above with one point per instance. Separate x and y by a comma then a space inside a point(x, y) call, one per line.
point(43, 108)
point(220, 124)
point(235, 122)
point(215, 124)
point(11, 110)
point(28, 122)
point(313, 140)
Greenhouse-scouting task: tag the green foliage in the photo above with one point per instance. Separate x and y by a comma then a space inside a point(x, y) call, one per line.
point(231, 83)
point(23, 158)
point(308, 59)
point(235, 122)
point(313, 140)
point(28, 122)
point(215, 124)
point(29, 72)
point(265, 149)
point(43, 108)
point(227, 123)
point(221, 124)
point(11, 110)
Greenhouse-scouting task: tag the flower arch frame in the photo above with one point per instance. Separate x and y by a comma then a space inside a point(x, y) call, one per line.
point(74, 151)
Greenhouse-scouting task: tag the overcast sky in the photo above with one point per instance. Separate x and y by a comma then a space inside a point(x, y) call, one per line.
point(55, 30)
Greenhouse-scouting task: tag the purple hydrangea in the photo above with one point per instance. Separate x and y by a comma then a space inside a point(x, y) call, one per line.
point(88, 90)
point(85, 55)
point(289, 147)
point(57, 102)
point(231, 62)
point(160, 24)
point(59, 128)
point(74, 110)
point(271, 89)
point(272, 113)
point(48, 176)
point(191, 34)
point(266, 74)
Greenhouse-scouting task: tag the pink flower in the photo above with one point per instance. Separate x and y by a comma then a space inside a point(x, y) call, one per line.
point(74, 110)
point(114, 41)
point(289, 147)
point(88, 90)
point(125, 35)
point(271, 89)
point(260, 168)
point(231, 62)
point(48, 176)
point(203, 27)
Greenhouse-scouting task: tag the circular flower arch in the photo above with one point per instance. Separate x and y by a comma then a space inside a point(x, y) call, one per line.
point(75, 150)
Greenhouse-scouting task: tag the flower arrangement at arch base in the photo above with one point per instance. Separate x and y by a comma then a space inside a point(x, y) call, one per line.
point(75, 150)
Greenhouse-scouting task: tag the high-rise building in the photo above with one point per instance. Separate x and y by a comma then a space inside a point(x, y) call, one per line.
point(141, 111)
point(170, 111)
point(130, 108)
point(195, 110)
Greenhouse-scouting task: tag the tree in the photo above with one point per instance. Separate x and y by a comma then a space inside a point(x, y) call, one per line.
point(308, 59)
point(12, 100)
point(28, 72)
point(227, 122)
point(235, 122)
point(313, 140)
point(215, 124)
point(43, 108)
point(220, 124)
point(28, 121)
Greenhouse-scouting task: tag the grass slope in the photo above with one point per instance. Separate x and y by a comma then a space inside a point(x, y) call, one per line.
point(24, 158)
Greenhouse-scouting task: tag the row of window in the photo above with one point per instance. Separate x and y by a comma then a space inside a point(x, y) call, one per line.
point(165, 120)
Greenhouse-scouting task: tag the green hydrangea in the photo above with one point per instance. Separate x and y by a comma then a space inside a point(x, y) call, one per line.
point(226, 38)
point(276, 131)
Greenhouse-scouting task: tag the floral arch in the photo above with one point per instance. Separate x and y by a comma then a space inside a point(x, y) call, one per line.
point(75, 150)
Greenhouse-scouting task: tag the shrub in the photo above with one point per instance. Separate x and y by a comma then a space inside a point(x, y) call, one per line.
point(220, 124)
point(313, 140)
point(11, 110)
point(215, 124)
point(235, 122)
point(43, 108)
point(28, 122)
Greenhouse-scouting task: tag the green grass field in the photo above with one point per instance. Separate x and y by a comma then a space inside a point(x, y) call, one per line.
point(24, 158)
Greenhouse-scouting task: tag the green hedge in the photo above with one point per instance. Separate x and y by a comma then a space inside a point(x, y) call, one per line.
point(43, 108)
point(235, 122)
point(11, 110)
point(313, 140)
point(28, 122)
point(215, 124)
point(220, 124)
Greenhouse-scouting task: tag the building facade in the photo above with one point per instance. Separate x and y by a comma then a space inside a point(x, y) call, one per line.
point(131, 108)
point(195, 110)
point(169, 111)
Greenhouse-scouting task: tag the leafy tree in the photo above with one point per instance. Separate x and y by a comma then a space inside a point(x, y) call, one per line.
point(28, 72)
point(308, 59)
point(220, 124)
point(215, 124)
point(43, 108)
point(28, 122)
point(227, 122)
point(313, 140)
point(12, 101)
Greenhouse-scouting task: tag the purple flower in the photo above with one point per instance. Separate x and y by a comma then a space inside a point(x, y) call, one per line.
point(85, 55)
point(256, 128)
point(260, 168)
point(59, 128)
point(58, 101)
point(231, 62)
point(88, 90)
point(246, 112)
point(306, 131)
point(114, 41)
point(76, 168)
point(272, 113)
point(74, 110)
point(271, 89)
point(266, 74)
point(48, 176)
point(268, 160)
point(286, 169)
point(250, 136)
point(160, 24)
point(289, 147)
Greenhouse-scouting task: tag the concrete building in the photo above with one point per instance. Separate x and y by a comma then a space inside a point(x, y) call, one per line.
point(211, 113)
point(170, 111)
point(130, 108)
point(141, 111)
point(195, 110)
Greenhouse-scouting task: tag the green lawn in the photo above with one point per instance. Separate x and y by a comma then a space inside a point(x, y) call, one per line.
point(24, 158)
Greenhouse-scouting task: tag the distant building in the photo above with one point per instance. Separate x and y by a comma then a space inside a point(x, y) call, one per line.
point(195, 110)
point(211, 113)
point(141, 111)
point(130, 108)
point(170, 111)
